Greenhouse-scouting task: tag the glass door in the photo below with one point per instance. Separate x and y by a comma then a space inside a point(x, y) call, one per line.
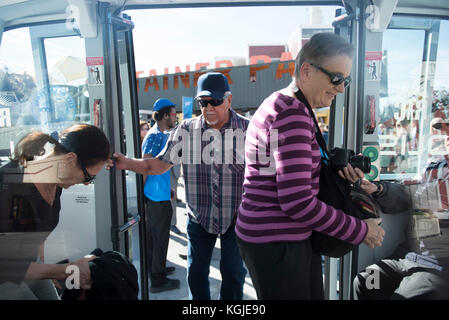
point(128, 221)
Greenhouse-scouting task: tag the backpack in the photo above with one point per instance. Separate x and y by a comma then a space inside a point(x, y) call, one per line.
point(114, 277)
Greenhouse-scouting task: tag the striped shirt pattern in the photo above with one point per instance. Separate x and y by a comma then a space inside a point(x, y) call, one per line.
point(213, 191)
point(283, 205)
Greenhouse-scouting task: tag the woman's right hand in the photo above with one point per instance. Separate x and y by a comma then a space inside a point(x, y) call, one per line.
point(83, 265)
point(375, 235)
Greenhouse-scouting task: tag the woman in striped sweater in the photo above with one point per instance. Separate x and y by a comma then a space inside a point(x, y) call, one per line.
point(279, 206)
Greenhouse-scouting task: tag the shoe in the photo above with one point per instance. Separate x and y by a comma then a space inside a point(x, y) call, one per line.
point(183, 256)
point(167, 284)
point(175, 229)
point(169, 270)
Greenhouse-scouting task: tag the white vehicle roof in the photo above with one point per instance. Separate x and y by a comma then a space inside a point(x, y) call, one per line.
point(18, 12)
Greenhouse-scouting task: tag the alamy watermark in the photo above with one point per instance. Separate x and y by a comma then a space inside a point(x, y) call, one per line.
point(372, 21)
point(73, 280)
point(210, 146)
point(373, 279)
point(73, 17)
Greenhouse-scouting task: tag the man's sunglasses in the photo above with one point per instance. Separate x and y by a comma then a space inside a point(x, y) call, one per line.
point(438, 125)
point(87, 177)
point(213, 102)
point(335, 78)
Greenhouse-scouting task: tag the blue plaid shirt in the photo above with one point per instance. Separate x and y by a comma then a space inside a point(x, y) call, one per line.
point(213, 190)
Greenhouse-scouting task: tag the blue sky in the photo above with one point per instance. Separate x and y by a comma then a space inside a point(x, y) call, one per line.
point(176, 37)
point(170, 37)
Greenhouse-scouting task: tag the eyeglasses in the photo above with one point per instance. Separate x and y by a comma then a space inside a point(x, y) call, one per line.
point(212, 102)
point(87, 177)
point(335, 78)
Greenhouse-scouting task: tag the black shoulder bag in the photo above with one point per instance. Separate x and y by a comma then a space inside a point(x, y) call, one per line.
point(338, 193)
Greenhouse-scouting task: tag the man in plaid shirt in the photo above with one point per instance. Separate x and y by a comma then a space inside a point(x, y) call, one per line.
point(213, 173)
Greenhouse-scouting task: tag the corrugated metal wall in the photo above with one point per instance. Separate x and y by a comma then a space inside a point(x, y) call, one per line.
point(246, 94)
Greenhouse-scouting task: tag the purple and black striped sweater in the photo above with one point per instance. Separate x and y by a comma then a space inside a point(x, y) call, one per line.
point(280, 201)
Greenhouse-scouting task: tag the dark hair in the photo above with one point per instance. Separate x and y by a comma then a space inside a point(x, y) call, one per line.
point(160, 114)
point(321, 47)
point(88, 142)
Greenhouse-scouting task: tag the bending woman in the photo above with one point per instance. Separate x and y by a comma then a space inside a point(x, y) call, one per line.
point(30, 211)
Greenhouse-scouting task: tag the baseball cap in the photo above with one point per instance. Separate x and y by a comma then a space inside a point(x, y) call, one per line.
point(162, 103)
point(213, 84)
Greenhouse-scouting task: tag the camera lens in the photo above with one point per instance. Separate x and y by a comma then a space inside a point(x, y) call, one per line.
point(361, 162)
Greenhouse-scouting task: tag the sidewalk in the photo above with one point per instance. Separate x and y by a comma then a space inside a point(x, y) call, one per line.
point(178, 247)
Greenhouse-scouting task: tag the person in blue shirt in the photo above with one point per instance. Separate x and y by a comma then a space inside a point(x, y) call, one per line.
point(158, 194)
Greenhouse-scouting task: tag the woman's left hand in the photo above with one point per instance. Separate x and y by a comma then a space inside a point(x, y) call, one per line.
point(355, 174)
point(351, 174)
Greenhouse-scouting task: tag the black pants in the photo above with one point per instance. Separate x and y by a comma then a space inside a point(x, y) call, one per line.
point(158, 220)
point(284, 270)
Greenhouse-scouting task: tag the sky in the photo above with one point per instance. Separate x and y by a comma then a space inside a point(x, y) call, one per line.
point(176, 37)
point(165, 38)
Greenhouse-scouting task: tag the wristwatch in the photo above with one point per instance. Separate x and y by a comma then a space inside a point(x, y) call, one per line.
point(379, 189)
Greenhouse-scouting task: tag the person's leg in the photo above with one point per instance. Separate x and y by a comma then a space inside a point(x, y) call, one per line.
point(231, 267)
point(316, 278)
point(279, 270)
point(419, 282)
point(149, 237)
point(160, 218)
point(419, 285)
point(200, 247)
point(378, 281)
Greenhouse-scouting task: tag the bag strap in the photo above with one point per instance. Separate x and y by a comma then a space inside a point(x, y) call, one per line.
point(319, 137)
point(318, 134)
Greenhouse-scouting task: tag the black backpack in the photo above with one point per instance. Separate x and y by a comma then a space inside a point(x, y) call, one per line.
point(114, 277)
point(338, 193)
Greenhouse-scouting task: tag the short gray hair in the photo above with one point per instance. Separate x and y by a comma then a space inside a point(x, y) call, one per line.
point(321, 47)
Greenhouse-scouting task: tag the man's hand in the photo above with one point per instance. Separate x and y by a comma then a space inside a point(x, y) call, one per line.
point(152, 166)
point(173, 194)
point(118, 161)
point(370, 187)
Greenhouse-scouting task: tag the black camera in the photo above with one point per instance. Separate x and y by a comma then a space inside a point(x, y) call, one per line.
point(339, 158)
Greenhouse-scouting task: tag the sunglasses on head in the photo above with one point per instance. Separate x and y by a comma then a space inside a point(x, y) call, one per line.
point(212, 102)
point(87, 177)
point(335, 78)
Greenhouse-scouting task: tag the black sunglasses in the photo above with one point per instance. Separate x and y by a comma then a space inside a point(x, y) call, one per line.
point(438, 125)
point(87, 177)
point(213, 102)
point(335, 78)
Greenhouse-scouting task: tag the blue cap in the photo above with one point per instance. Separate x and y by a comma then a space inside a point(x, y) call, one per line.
point(162, 103)
point(212, 84)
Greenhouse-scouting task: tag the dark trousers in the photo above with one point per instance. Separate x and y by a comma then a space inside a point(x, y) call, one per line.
point(200, 247)
point(158, 220)
point(284, 270)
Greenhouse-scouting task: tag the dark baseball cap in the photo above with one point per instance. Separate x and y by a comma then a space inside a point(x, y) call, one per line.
point(212, 84)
